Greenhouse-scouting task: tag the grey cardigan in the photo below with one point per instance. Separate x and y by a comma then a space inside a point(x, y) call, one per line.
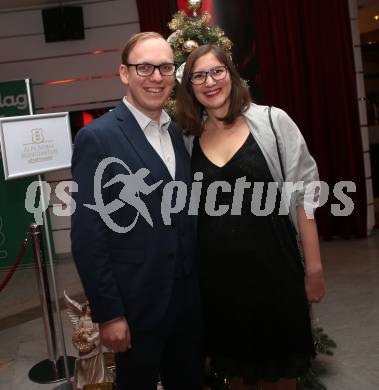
point(298, 164)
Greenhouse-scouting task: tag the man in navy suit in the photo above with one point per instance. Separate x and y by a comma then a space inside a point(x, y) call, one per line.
point(139, 272)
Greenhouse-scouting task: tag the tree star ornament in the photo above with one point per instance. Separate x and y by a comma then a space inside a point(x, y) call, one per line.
point(194, 5)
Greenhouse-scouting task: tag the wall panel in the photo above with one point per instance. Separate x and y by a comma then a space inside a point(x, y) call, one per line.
point(25, 54)
point(95, 14)
point(32, 47)
point(78, 92)
point(63, 68)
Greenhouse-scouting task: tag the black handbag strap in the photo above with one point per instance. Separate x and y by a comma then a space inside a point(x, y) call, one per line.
point(277, 143)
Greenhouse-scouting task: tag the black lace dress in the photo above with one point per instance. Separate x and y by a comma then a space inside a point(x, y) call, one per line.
point(252, 280)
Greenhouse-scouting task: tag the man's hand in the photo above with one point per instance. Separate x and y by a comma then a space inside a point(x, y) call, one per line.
point(115, 335)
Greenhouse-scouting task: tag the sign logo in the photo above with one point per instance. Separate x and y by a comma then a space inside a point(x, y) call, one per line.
point(37, 136)
point(40, 149)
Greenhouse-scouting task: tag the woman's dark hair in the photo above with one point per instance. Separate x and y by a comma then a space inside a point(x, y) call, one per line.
point(189, 112)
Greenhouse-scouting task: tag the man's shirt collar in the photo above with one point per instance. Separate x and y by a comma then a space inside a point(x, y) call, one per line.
point(143, 120)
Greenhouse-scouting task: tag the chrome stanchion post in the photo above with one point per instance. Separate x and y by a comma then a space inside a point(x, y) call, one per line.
point(44, 293)
point(49, 370)
point(44, 205)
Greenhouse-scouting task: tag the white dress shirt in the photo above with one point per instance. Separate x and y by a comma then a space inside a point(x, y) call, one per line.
point(157, 134)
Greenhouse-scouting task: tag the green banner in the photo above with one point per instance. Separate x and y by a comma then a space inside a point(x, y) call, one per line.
point(14, 98)
point(14, 219)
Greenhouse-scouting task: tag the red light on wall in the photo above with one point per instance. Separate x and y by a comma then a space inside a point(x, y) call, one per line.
point(107, 51)
point(87, 118)
point(61, 82)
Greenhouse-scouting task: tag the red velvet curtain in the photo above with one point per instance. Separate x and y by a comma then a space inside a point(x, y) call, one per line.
point(154, 15)
point(307, 68)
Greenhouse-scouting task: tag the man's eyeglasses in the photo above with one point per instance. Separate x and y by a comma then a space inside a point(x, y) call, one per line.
point(217, 73)
point(145, 70)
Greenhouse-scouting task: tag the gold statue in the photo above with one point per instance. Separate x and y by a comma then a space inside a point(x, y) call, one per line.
point(90, 366)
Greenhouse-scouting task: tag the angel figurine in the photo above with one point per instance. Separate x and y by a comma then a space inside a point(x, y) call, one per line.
point(90, 366)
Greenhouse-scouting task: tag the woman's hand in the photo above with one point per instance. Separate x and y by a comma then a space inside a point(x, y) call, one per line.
point(314, 274)
point(315, 286)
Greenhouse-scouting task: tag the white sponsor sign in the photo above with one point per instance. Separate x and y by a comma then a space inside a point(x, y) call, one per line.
point(35, 144)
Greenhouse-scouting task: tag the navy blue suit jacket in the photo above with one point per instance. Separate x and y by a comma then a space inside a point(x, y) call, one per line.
point(128, 274)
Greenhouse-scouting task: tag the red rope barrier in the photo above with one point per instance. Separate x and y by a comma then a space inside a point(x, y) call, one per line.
point(19, 257)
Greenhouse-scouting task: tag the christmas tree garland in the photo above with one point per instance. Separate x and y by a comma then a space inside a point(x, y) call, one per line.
point(192, 31)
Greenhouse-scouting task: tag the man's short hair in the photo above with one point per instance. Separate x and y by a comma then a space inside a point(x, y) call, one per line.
point(134, 40)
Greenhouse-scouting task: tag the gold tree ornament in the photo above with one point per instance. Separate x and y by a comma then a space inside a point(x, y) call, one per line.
point(194, 5)
point(226, 43)
point(170, 106)
point(179, 21)
point(189, 46)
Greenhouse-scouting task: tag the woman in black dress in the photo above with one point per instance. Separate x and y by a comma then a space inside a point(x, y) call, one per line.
point(255, 287)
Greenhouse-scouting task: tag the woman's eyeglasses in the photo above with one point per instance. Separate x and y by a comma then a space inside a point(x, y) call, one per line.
point(217, 73)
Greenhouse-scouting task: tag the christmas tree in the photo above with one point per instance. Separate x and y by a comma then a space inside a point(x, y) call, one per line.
point(190, 32)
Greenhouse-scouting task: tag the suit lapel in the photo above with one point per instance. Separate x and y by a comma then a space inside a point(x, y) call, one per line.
point(133, 132)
